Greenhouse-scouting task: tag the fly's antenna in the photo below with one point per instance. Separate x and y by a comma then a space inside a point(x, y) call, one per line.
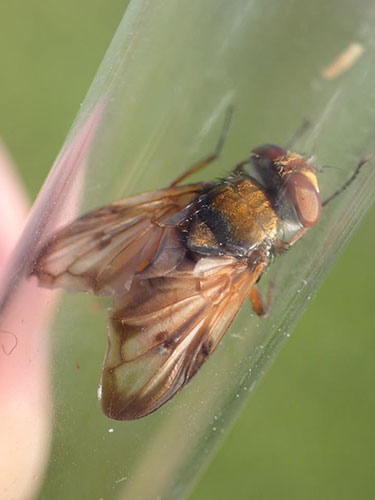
point(362, 162)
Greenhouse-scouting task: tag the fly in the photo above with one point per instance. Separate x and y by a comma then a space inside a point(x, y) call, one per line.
point(179, 263)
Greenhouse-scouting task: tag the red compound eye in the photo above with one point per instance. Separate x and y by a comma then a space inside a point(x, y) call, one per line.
point(305, 198)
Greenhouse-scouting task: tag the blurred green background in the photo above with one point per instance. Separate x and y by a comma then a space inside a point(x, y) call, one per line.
point(308, 430)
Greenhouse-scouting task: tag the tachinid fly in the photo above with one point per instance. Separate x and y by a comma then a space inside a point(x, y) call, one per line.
point(179, 263)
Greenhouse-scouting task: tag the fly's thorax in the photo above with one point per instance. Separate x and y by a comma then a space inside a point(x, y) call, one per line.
point(233, 218)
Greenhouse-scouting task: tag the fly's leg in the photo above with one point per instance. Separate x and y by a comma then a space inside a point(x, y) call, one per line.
point(282, 246)
point(210, 158)
point(301, 131)
point(361, 162)
point(260, 307)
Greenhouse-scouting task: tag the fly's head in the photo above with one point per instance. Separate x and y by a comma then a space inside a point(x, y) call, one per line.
point(291, 181)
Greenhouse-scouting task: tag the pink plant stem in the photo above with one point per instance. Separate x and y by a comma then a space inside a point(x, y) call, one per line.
point(26, 311)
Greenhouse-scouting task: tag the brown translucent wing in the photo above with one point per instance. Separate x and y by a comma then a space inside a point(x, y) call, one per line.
point(164, 329)
point(101, 251)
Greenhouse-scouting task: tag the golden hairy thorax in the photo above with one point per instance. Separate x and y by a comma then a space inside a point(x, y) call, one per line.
point(237, 214)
